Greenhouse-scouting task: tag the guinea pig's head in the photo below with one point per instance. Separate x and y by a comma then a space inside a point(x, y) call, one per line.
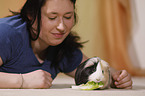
point(93, 69)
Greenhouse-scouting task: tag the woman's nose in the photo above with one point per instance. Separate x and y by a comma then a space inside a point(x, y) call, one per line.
point(61, 26)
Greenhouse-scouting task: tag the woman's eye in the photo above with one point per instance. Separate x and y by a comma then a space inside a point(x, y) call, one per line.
point(67, 17)
point(52, 18)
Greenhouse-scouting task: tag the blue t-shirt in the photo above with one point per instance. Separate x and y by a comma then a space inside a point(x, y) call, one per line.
point(17, 54)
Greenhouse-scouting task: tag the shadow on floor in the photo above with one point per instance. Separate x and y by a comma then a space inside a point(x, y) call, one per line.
point(138, 87)
point(61, 86)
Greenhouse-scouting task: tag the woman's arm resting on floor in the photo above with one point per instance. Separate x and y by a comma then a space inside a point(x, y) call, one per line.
point(35, 79)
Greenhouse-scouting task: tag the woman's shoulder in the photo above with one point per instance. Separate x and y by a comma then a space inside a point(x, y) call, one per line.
point(13, 31)
point(13, 36)
point(11, 20)
point(12, 27)
point(14, 22)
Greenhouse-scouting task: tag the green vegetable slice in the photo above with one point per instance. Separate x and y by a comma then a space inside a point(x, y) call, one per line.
point(91, 85)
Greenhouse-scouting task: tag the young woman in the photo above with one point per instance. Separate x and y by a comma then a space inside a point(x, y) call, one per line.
point(37, 44)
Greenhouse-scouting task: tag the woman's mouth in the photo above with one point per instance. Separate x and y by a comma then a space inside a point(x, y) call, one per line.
point(58, 35)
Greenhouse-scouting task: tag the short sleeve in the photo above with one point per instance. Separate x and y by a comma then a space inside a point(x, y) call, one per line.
point(5, 42)
point(69, 64)
point(9, 39)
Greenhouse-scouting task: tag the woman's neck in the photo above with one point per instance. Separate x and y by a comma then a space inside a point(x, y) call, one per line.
point(38, 46)
point(39, 49)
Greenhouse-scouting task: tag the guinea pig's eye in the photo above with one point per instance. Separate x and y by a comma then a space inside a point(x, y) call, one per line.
point(103, 71)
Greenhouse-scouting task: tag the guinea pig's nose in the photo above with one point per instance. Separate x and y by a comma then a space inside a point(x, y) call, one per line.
point(98, 80)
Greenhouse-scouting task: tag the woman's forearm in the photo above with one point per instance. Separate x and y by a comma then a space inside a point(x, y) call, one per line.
point(8, 80)
point(35, 79)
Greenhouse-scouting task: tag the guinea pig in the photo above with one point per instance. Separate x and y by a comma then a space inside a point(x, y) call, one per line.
point(93, 69)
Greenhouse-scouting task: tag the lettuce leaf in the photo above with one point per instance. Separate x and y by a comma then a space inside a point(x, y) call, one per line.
point(91, 85)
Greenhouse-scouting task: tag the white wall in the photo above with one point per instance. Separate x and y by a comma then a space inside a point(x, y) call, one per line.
point(139, 31)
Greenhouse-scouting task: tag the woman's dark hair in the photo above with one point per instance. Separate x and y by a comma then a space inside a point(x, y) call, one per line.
point(32, 9)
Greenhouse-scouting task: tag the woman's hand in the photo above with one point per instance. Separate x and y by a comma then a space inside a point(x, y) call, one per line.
point(37, 79)
point(121, 79)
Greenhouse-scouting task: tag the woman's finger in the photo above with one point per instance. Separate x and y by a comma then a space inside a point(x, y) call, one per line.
point(125, 85)
point(122, 75)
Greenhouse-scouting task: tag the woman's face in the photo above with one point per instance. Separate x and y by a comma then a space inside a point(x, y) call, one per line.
point(57, 20)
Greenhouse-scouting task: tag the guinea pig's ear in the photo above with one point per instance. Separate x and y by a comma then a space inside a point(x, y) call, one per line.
point(104, 63)
point(91, 61)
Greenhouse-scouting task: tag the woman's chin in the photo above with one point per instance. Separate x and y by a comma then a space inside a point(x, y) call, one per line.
point(55, 43)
